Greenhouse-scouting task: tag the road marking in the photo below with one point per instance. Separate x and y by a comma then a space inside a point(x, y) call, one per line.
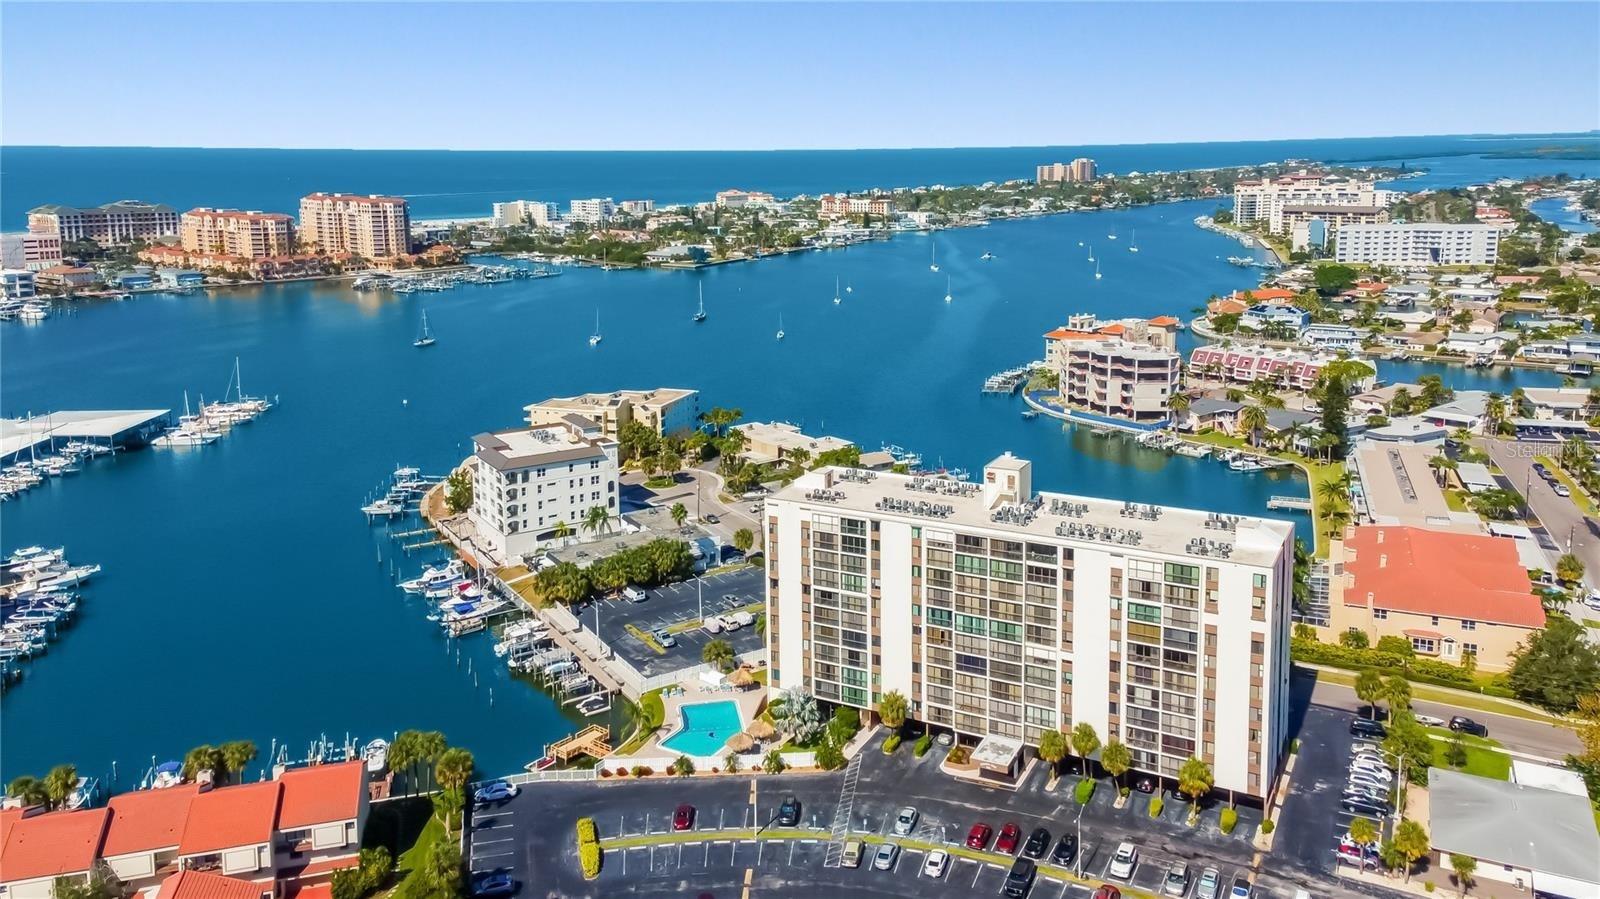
point(791, 853)
point(976, 873)
point(748, 873)
point(487, 842)
point(476, 857)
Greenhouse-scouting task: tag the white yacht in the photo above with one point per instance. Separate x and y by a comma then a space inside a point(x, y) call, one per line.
point(780, 326)
point(948, 296)
point(426, 337)
point(596, 337)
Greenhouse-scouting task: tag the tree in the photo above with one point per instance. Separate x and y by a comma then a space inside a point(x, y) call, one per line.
point(1335, 409)
point(743, 539)
point(1195, 779)
point(29, 791)
point(1116, 758)
point(1084, 742)
point(1354, 639)
point(1052, 748)
point(1463, 866)
point(596, 520)
point(1409, 742)
point(682, 766)
point(1434, 393)
point(1397, 690)
point(773, 762)
point(440, 872)
point(730, 762)
point(1334, 491)
point(99, 885)
point(1369, 689)
point(829, 757)
point(458, 491)
point(1253, 419)
point(1555, 666)
point(453, 771)
point(60, 783)
point(1569, 568)
point(1400, 403)
point(1363, 831)
point(202, 758)
point(1411, 840)
point(893, 709)
point(719, 653)
point(562, 582)
point(1333, 278)
point(236, 755)
point(679, 514)
point(1179, 404)
point(413, 748)
point(1494, 503)
point(798, 717)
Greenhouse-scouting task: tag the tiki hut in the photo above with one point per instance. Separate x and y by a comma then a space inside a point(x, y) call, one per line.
point(741, 678)
point(761, 730)
point(741, 742)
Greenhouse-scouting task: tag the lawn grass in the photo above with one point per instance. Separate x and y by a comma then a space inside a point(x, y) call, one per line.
point(1481, 761)
point(652, 713)
point(1591, 622)
point(1578, 495)
point(411, 859)
point(1316, 472)
point(1456, 500)
point(1460, 699)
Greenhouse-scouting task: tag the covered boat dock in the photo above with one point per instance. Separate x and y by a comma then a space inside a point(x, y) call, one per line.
point(115, 429)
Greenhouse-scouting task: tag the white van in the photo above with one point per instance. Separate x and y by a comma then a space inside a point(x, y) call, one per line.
point(634, 594)
point(741, 618)
point(712, 624)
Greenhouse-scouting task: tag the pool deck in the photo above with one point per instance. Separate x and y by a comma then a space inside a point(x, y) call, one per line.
point(748, 701)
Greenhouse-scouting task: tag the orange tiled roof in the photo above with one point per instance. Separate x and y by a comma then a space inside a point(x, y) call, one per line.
point(205, 885)
point(52, 845)
point(1439, 573)
point(229, 817)
point(146, 820)
point(1164, 321)
point(1265, 294)
point(321, 794)
point(1226, 306)
point(1065, 334)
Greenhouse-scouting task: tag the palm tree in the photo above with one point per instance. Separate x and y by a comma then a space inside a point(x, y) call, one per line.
point(1332, 492)
point(1398, 691)
point(1463, 866)
point(1569, 568)
point(1363, 831)
point(1116, 758)
point(201, 758)
point(719, 653)
point(596, 520)
point(28, 790)
point(1052, 748)
point(1411, 841)
point(562, 530)
point(893, 709)
point(1253, 419)
point(60, 783)
point(679, 514)
point(453, 771)
point(1195, 779)
point(1369, 689)
point(743, 539)
point(236, 754)
point(1084, 742)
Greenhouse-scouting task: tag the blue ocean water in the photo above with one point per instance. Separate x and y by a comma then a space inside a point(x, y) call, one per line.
point(1554, 210)
point(458, 184)
point(245, 597)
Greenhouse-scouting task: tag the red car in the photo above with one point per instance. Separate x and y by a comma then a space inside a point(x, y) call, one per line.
point(1107, 891)
point(1009, 836)
point(683, 818)
point(978, 836)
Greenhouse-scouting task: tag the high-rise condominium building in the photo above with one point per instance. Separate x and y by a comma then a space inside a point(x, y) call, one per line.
point(1266, 199)
point(116, 223)
point(527, 480)
point(1079, 170)
point(1000, 614)
point(593, 211)
point(371, 227)
point(229, 232)
point(1124, 371)
point(1419, 243)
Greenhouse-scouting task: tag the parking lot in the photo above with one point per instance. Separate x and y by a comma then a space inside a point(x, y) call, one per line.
point(1313, 819)
point(672, 606)
point(720, 858)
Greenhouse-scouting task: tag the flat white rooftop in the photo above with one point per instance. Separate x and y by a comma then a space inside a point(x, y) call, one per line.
point(17, 434)
point(1185, 534)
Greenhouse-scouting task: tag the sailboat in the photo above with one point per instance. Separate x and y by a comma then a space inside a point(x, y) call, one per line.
point(1097, 271)
point(948, 296)
point(698, 316)
point(934, 266)
point(1112, 235)
point(849, 289)
point(1091, 252)
point(836, 298)
point(780, 326)
point(426, 337)
point(986, 255)
point(1133, 242)
point(595, 338)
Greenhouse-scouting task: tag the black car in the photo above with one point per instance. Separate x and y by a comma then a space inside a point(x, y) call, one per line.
point(1361, 727)
point(1145, 785)
point(712, 519)
point(1066, 850)
point(1364, 806)
point(1020, 879)
point(789, 811)
point(493, 883)
point(1464, 725)
point(1038, 843)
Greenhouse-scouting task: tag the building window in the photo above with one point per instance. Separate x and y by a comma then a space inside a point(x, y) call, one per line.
point(1380, 614)
point(1425, 645)
point(1468, 624)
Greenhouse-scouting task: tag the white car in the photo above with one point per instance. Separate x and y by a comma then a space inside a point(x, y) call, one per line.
point(1375, 772)
point(741, 618)
point(1123, 862)
point(712, 624)
point(905, 822)
point(938, 860)
point(1429, 721)
point(1593, 600)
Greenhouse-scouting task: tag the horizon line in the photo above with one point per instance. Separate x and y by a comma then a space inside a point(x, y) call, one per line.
point(1591, 134)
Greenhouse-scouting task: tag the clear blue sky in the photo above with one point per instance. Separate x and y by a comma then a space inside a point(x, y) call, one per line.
point(764, 76)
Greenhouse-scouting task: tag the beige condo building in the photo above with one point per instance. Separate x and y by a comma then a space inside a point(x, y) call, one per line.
point(229, 232)
point(664, 410)
point(1000, 613)
point(371, 227)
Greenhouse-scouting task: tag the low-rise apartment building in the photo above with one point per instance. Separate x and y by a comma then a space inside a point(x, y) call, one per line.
point(528, 480)
point(66, 278)
point(738, 199)
point(772, 441)
point(1291, 369)
point(229, 232)
point(17, 283)
point(1000, 613)
point(1419, 243)
point(31, 251)
point(1119, 372)
point(1449, 594)
point(838, 206)
point(113, 224)
point(532, 213)
point(592, 211)
point(666, 411)
point(371, 227)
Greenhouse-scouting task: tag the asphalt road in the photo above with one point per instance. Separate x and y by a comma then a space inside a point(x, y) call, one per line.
point(1516, 734)
point(1566, 525)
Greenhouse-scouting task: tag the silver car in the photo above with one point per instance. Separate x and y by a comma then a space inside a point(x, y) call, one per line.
point(1209, 885)
point(1177, 882)
point(905, 822)
point(884, 858)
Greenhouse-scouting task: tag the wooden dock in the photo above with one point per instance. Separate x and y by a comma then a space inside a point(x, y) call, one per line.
point(1299, 503)
point(594, 740)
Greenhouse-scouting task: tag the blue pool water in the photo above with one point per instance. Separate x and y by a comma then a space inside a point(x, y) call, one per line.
point(706, 727)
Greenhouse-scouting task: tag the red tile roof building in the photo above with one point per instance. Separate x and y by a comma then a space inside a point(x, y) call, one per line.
point(1449, 593)
point(205, 885)
point(370, 227)
point(229, 232)
point(40, 848)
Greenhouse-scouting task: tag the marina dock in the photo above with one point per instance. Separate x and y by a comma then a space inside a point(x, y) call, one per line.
point(113, 429)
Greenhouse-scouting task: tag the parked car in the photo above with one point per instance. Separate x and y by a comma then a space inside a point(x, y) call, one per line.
point(1107, 891)
point(1560, 488)
point(1363, 727)
point(1382, 775)
point(634, 594)
point(494, 793)
point(1177, 882)
point(1351, 853)
point(1209, 885)
point(729, 623)
point(666, 640)
point(935, 864)
point(906, 821)
point(789, 811)
point(1360, 806)
point(1123, 862)
point(1020, 879)
point(1066, 850)
point(741, 618)
point(978, 836)
point(1540, 470)
point(712, 519)
point(1368, 783)
point(1593, 600)
point(1145, 785)
point(712, 624)
point(494, 883)
point(852, 854)
point(1038, 843)
point(1429, 721)
point(1010, 835)
point(883, 859)
point(683, 817)
point(1464, 725)
point(1241, 888)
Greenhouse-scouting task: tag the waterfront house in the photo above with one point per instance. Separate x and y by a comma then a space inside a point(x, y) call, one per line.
point(180, 278)
point(1412, 341)
point(1289, 369)
point(1271, 296)
point(1332, 337)
point(190, 884)
point(18, 283)
point(1263, 316)
point(38, 848)
point(1473, 344)
point(1577, 348)
point(320, 820)
point(1210, 412)
point(66, 278)
point(1226, 306)
point(132, 280)
point(142, 836)
point(678, 253)
point(230, 831)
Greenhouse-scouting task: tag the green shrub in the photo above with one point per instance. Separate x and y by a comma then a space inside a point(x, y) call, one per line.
point(959, 755)
point(642, 771)
point(1294, 748)
point(1267, 826)
point(891, 744)
point(844, 725)
point(587, 832)
point(829, 758)
point(1083, 791)
point(1428, 885)
point(1230, 820)
point(923, 744)
point(1421, 670)
point(1155, 807)
point(682, 765)
point(589, 858)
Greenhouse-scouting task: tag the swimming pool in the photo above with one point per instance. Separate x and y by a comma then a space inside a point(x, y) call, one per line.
point(706, 727)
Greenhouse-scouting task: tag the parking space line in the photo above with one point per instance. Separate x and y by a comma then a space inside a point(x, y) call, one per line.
point(976, 873)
